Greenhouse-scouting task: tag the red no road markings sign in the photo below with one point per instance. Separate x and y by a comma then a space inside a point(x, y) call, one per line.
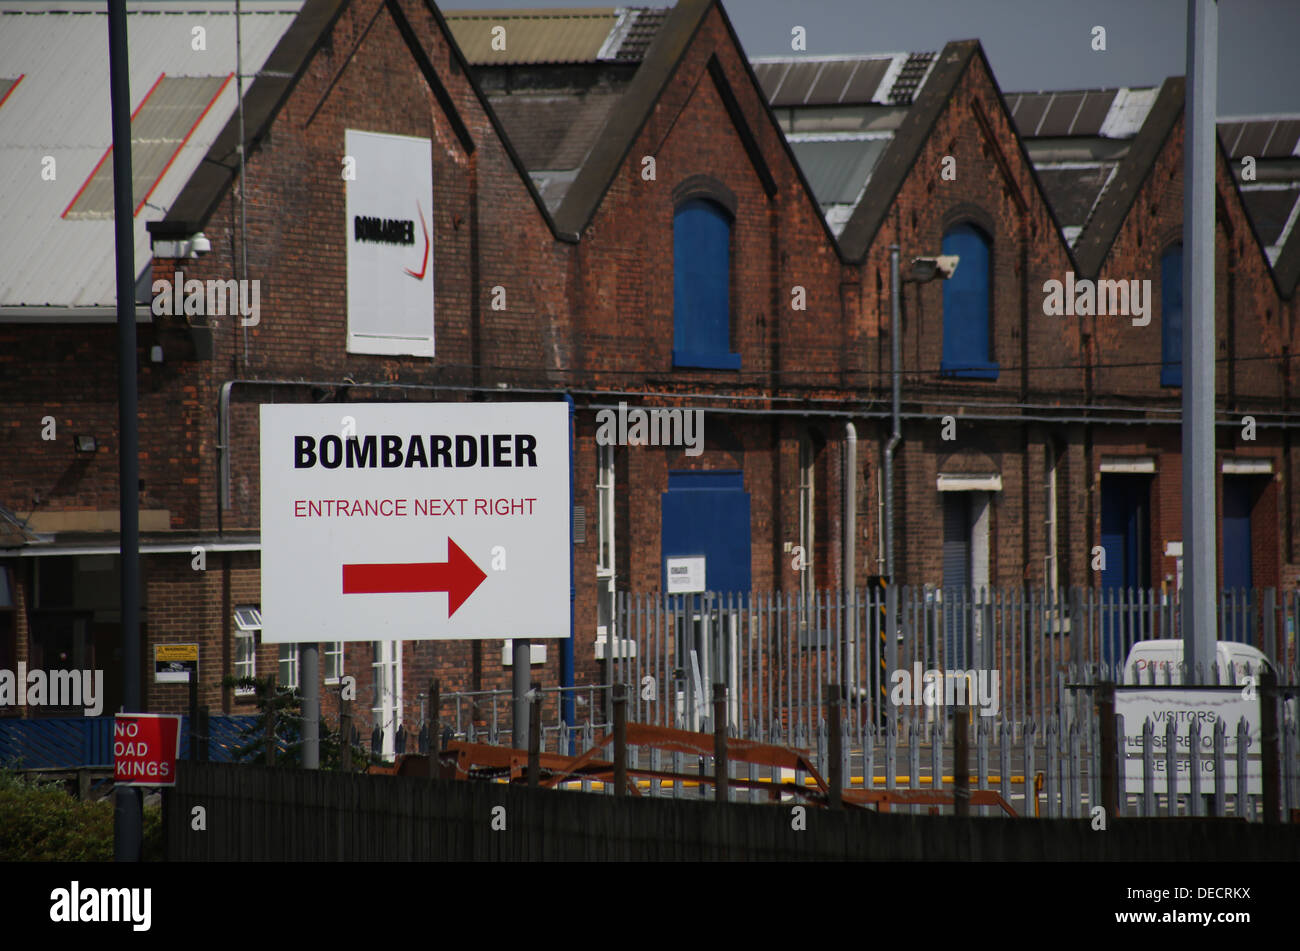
point(145, 748)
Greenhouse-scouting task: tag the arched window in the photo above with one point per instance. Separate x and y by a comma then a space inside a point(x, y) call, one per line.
point(702, 286)
point(967, 345)
point(1171, 317)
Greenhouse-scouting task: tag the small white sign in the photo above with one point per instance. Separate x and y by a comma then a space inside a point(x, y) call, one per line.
point(686, 575)
point(415, 521)
point(389, 240)
point(1208, 706)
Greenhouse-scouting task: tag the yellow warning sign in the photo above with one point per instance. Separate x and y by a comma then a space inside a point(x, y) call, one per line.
point(176, 652)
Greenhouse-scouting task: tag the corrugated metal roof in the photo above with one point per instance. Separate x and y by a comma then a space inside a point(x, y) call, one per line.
point(1273, 210)
point(61, 110)
point(586, 35)
point(553, 132)
point(1073, 189)
point(826, 80)
point(838, 167)
point(1060, 114)
point(169, 114)
point(1268, 138)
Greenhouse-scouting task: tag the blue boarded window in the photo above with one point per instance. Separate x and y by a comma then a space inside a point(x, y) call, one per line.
point(702, 287)
point(706, 514)
point(1171, 317)
point(966, 306)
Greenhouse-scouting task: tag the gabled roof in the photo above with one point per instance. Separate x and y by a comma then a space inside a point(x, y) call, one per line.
point(264, 100)
point(181, 99)
point(839, 114)
point(1116, 201)
point(900, 157)
point(611, 147)
point(1076, 140)
point(1272, 194)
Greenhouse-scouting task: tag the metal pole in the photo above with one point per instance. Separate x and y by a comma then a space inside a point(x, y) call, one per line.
point(849, 568)
point(1200, 579)
point(566, 649)
point(896, 434)
point(243, 183)
point(535, 738)
point(194, 714)
point(128, 818)
point(620, 739)
point(309, 677)
point(521, 681)
point(720, 781)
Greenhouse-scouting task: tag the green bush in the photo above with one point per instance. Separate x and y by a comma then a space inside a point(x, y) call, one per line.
point(41, 822)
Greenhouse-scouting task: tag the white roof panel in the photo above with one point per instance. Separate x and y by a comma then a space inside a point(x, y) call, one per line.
point(61, 110)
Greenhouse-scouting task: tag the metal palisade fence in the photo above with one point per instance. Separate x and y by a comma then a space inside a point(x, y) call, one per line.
point(775, 652)
point(1029, 661)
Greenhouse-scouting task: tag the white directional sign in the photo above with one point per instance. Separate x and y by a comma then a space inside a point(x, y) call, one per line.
point(415, 521)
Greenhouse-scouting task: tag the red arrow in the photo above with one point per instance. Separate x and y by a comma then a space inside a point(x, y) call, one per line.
point(458, 576)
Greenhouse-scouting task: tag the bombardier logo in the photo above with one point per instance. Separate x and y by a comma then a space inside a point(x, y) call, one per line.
point(484, 450)
point(394, 231)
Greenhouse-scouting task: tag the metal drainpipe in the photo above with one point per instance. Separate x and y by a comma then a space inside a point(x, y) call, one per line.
point(896, 436)
point(223, 453)
point(849, 567)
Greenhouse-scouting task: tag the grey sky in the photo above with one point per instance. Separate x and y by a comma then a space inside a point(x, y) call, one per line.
point(1033, 44)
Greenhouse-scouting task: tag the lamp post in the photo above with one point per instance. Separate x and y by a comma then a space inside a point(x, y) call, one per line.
point(922, 271)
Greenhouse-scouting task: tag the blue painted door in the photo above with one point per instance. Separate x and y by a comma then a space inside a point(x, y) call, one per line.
point(1238, 572)
point(1125, 504)
point(956, 577)
point(707, 513)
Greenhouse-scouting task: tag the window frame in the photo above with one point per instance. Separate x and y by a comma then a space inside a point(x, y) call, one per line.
point(248, 624)
point(332, 649)
point(290, 655)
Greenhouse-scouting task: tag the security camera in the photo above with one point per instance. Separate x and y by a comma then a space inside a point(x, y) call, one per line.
point(199, 244)
point(947, 265)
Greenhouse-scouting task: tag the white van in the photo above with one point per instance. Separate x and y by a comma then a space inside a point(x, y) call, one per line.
point(1152, 661)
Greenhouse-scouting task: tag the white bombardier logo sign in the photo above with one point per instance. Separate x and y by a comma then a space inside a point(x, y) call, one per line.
point(389, 532)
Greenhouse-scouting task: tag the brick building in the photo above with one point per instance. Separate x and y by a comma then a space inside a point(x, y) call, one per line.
point(626, 210)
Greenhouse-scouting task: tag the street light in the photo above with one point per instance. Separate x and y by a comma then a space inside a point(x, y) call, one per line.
point(922, 271)
point(925, 270)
